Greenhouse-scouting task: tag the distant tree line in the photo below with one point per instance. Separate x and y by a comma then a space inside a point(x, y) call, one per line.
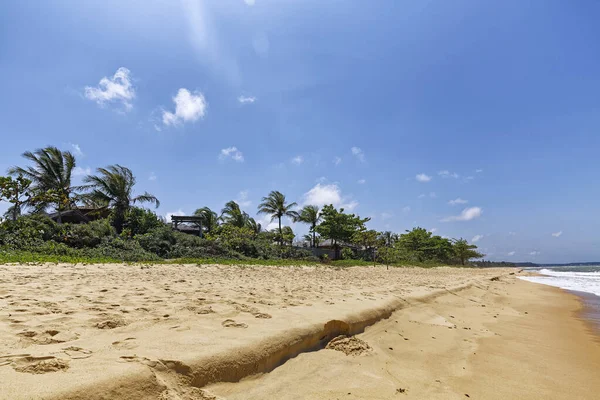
point(133, 233)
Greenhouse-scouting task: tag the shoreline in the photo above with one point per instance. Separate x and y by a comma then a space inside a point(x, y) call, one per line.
point(590, 310)
point(154, 331)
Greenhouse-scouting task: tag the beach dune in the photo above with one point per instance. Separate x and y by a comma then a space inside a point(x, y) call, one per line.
point(310, 332)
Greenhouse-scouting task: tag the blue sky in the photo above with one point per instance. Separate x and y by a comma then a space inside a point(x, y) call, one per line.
point(390, 108)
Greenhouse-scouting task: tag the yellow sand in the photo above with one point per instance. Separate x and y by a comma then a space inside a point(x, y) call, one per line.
point(163, 332)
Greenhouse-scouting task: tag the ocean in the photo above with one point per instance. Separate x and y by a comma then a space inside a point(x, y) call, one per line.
point(583, 280)
point(577, 278)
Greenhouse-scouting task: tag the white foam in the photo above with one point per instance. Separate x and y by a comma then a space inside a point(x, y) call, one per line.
point(580, 281)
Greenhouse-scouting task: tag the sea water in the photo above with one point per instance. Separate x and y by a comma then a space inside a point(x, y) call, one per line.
point(578, 278)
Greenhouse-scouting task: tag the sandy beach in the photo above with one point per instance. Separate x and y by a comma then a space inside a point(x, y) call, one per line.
point(253, 332)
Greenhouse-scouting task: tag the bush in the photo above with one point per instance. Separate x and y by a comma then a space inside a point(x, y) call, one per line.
point(159, 241)
point(347, 254)
point(88, 235)
point(119, 249)
point(29, 232)
point(139, 221)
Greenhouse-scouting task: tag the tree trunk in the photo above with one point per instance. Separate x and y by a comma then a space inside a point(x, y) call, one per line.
point(314, 243)
point(280, 233)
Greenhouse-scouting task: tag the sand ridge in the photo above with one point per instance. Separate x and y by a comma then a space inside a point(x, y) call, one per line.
point(156, 330)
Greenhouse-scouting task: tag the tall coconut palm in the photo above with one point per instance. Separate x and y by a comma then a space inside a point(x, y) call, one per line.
point(50, 175)
point(275, 205)
point(310, 215)
point(112, 187)
point(232, 214)
point(388, 238)
point(210, 219)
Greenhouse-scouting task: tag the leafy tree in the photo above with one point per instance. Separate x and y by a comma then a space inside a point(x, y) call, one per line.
point(338, 226)
point(277, 207)
point(16, 192)
point(139, 221)
point(367, 239)
point(310, 215)
point(231, 214)
point(113, 188)
point(417, 242)
point(288, 235)
point(465, 251)
point(210, 219)
point(440, 249)
point(50, 175)
point(310, 238)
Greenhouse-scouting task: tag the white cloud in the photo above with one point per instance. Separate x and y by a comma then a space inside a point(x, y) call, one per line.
point(457, 201)
point(432, 195)
point(534, 253)
point(324, 194)
point(433, 230)
point(406, 209)
point(115, 89)
point(478, 171)
point(232, 152)
point(512, 233)
point(448, 174)
point(189, 107)
point(78, 171)
point(76, 150)
point(246, 99)
point(469, 178)
point(476, 238)
point(250, 2)
point(152, 176)
point(422, 178)
point(242, 199)
point(385, 216)
point(358, 153)
point(557, 234)
point(337, 160)
point(511, 253)
point(361, 181)
point(467, 214)
point(421, 196)
point(176, 213)
point(297, 160)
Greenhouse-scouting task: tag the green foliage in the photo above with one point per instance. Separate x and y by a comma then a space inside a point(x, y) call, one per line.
point(339, 226)
point(16, 192)
point(275, 205)
point(139, 221)
point(288, 235)
point(210, 219)
point(465, 251)
point(87, 235)
point(347, 254)
point(113, 187)
point(310, 215)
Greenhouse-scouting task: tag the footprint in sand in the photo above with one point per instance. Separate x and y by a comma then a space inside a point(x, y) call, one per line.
point(229, 323)
point(128, 343)
point(77, 352)
point(39, 365)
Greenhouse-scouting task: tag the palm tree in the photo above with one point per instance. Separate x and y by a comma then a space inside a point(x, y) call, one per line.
point(254, 226)
point(231, 214)
point(210, 219)
point(310, 215)
point(50, 175)
point(388, 238)
point(275, 205)
point(113, 188)
point(288, 235)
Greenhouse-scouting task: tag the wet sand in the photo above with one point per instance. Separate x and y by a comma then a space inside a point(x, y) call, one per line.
point(193, 332)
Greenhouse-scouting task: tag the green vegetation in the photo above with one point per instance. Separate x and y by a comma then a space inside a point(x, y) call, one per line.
point(129, 233)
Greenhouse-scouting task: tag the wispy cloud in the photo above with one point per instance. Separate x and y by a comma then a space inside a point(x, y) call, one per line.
point(115, 89)
point(534, 253)
point(297, 160)
point(242, 199)
point(246, 99)
point(76, 150)
point(385, 216)
point(233, 153)
point(361, 181)
point(152, 176)
point(406, 209)
point(557, 234)
point(358, 153)
point(78, 171)
point(511, 253)
point(512, 233)
point(478, 171)
point(476, 238)
point(448, 174)
point(173, 213)
point(189, 107)
point(423, 178)
point(467, 214)
point(250, 2)
point(457, 201)
point(433, 230)
point(324, 194)
point(337, 160)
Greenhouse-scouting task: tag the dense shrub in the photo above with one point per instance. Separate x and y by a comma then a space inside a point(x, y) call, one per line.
point(29, 232)
point(88, 235)
point(139, 221)
point(347, 254)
